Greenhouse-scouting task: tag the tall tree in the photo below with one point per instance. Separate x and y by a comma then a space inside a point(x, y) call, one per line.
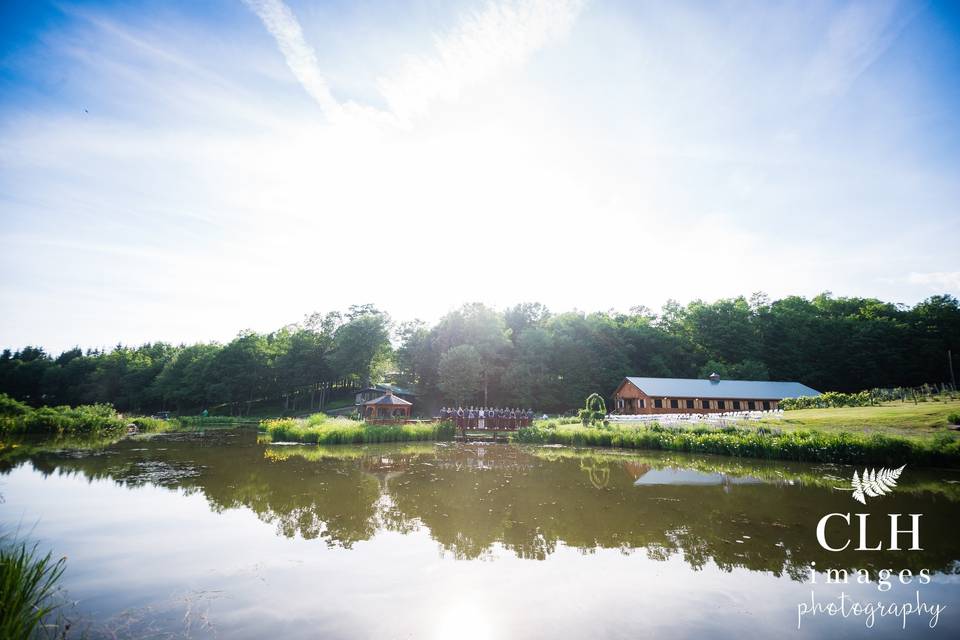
point(461, 373)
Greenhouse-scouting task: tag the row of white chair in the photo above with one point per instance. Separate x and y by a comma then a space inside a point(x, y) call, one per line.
point(708, 418)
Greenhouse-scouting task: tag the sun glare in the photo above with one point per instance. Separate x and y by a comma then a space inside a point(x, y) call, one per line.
point(466, 619)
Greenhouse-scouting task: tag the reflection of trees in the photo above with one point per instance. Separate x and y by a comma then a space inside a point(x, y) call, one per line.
point(335, 502)
point(531, 504)
point(473, 497)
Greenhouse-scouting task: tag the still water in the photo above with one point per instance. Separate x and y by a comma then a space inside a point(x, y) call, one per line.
point(213, 534)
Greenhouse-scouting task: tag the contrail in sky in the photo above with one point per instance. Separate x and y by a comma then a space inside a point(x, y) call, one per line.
point(500, 35)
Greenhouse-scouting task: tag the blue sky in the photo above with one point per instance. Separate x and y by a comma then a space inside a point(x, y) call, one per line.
point(181, 171)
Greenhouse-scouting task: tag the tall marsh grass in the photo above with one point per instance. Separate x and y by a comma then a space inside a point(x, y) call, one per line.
point(28, 583)
point(805, 446)
point(88, 419)
point(321, 429)
point(211, 421)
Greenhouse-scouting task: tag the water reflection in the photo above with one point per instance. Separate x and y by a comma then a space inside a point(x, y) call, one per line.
point(691, 477)
point(470, 497)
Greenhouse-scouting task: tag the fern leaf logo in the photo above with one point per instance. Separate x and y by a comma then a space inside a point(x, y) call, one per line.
point(874, 483)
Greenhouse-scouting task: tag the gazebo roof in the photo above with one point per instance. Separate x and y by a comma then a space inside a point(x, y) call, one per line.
point(388, 399)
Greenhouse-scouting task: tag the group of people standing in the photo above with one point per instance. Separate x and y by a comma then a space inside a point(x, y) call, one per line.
point(491, 418)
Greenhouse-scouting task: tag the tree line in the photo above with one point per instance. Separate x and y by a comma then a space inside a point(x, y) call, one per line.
point(524, 356)
point(299, 366)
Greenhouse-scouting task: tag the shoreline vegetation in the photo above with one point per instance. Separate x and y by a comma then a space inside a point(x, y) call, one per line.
point(848, 439)
point(25, 431)
point(90, 419)
point(94, 420)
point(761, 443)
point(888, 433)
point(321, 429)
point(29, 583)
point(883, 434)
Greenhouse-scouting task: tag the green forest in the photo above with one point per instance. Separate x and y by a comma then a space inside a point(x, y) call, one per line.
point(525, 355)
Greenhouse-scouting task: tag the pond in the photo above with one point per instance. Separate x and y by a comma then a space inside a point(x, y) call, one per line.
point(216, 535)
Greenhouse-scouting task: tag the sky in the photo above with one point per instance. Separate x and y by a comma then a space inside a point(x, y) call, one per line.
point(181, 171)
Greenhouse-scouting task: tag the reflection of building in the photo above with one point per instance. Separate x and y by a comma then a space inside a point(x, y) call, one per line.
point(387, 407)
point(678, 476)
point(385, 467)
point(710, 395)
point(636, 469)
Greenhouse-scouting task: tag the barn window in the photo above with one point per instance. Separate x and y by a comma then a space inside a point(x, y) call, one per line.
point(658, 403)
point(641, 403)
point(766, 406)
point(736, 405)
point(674, 404)
point(689, 404)
point(721, 404)
point(751, 405)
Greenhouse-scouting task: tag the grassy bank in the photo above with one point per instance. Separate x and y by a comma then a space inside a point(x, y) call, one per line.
point(924, 420)
point(320, 429)
point(94, 419)
point(760, 442)
point(28, 584)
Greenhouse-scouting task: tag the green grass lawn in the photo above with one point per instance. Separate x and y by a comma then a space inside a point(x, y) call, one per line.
point(921, 421)
point(890, 434)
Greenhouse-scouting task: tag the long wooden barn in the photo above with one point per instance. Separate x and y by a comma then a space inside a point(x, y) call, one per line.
point(709, 395)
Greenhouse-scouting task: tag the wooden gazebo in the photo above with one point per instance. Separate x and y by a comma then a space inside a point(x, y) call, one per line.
point(387, 408)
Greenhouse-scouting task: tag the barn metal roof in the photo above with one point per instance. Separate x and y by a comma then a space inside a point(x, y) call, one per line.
point(732, 389)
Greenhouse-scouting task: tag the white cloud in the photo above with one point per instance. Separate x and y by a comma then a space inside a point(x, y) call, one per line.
point(938, 281)
point(857, 35)
point(501, 35)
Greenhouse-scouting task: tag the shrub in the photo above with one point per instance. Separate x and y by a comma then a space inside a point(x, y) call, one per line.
point(594, 411)
point(953, 418)
point(91, 419)
point(830, 399)
point(834, 399)
point(317, 419)
point(10, 408)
